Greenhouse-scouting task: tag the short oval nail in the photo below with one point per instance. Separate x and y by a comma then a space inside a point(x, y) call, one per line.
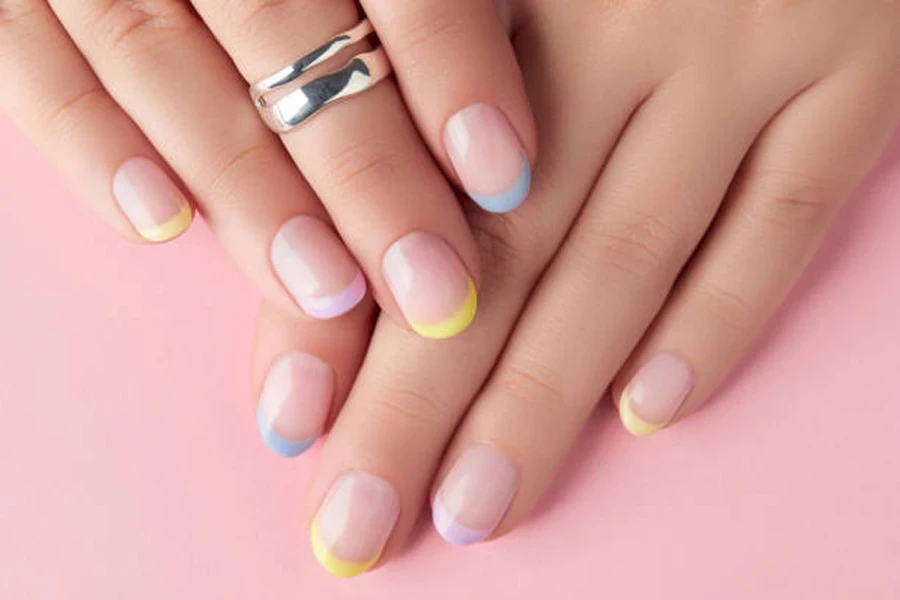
point(655, 393)
point(488, 158)
point(153, 203)
point(431, 285)
point(475, 495)
point(354, 523)
point(294, 403)
point(316, 269)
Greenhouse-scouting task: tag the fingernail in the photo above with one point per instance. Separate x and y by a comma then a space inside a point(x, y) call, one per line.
point(431, 285)
point(488, 158)
point(654, 395)
point(354, 523)
point(474, 496)
point(150, 199)
point(294, 404)
point(317, 270)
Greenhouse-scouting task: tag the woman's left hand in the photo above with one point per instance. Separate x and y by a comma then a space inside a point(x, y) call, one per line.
point(693, 156)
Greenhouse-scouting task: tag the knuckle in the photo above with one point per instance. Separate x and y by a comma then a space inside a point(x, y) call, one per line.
point(253, 158)
point(641, 246)
point(134, 27)
point(12, 11)
point(364, 168)
point(247, 12)
point(728, 308)
point(70, 111)
point(424, 22)
point(533, 384)
point(410, 405)
point(792, 200)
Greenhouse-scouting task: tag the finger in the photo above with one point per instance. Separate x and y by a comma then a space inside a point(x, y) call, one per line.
point(461, 81)
point(302, 372)
point(64, 110)
point(652, 203)
point(166, 70)
point(800, 172)
point(363, 156)
point(410, 393)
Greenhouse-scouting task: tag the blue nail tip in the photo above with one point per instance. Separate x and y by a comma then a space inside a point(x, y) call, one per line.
point(278, 444)
point(510, 199)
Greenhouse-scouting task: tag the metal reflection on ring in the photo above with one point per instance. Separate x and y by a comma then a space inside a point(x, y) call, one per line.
point(284, 109)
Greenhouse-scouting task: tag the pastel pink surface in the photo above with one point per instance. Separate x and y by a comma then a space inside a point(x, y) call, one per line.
point(131, 466)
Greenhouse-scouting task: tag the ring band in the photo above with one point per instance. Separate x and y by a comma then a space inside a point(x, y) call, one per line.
point(284, 102)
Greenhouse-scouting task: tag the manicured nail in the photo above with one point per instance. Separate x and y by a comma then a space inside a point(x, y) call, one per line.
point(474, 496)
point(153, 203)
point(316, 268)
point(488, 158)
point(294, 404)
point(653, 397)
point(431, 285)
point(354, 523)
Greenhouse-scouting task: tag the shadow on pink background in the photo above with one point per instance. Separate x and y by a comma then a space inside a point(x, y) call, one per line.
point(131, 468)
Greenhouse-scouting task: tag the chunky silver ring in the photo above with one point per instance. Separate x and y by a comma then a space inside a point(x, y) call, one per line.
point(285, 101)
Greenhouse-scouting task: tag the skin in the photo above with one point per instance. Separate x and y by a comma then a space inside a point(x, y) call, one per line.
point(693, 157)
point(99, 82)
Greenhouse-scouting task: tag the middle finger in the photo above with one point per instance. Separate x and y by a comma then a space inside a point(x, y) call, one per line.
point(395, 209)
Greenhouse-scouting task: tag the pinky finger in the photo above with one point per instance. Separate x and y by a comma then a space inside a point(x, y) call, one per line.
point(55, 98)
point(801, 170)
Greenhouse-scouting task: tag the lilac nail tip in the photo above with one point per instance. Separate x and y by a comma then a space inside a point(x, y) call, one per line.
point(510, 199)
point(279, 445)
point(339, 304)
point(451, 531)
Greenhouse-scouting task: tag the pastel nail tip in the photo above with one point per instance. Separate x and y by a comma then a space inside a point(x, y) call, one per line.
point(634, 424)
point(339, 304)
point(453, 532)
point(510, 199)
point(456, 324)
point(279, 445)
point(332, 564)
point(171, 228)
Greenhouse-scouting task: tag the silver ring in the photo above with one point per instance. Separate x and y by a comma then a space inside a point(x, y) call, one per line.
point(284, 101)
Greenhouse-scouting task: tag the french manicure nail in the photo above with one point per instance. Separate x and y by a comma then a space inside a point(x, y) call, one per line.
point(354, 523)
point(431, 285)
point(294, 403)
point(488, 158)
point(475, 496)
point(316, 269)
point(153, 203)
point(655, 393)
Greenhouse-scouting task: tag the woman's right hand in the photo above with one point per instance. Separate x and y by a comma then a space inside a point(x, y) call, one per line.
point(142, 105)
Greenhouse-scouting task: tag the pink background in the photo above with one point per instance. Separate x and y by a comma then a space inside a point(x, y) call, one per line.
point(131, 468)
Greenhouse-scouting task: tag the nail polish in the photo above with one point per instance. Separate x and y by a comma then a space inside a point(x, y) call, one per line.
point(294, 403)
point(354, 523)
point(432, 287)
point(474, 496)
point(488, 158)
point(149, 198)
point(316, 268)
point(655, 394)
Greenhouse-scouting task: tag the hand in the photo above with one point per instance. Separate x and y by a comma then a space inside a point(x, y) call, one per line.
point(693, 155)
point(143, 106)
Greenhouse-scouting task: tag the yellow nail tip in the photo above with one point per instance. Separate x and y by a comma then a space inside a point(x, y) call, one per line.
point(335, 566)
point(171, 228)
point(634, 424)
point(456, 324)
